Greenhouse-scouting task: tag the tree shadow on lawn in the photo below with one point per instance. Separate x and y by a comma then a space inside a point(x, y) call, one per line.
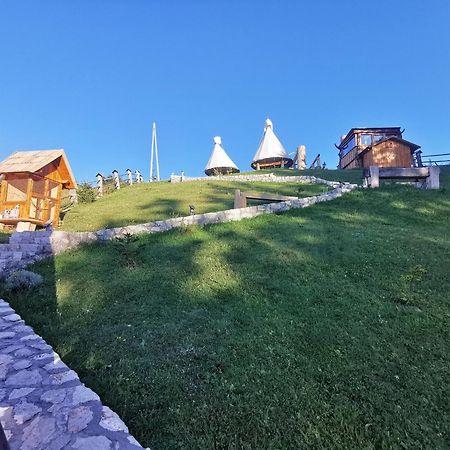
point(286, 331)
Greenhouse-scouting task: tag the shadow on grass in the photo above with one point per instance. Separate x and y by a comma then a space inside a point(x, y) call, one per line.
point(319, 328)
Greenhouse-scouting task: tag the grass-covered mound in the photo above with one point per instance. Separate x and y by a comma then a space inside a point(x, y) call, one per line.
point(147, 202)
point(327, 327)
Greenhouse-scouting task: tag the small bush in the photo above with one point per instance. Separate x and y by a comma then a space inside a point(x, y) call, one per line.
point(85, 193)
point(22, 279)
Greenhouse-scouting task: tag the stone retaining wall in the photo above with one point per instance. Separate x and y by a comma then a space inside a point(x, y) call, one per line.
point(29, 246)
point(43, 404)
point(266, 177)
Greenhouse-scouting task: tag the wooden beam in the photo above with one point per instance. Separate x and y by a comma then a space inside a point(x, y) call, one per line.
point(264, 196)
point(402, 172)
point(3, 191)
point(28, 200)
point(57, 207)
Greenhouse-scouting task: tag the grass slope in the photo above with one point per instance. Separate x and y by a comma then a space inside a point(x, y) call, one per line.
point(326, 327)
point(146, 202)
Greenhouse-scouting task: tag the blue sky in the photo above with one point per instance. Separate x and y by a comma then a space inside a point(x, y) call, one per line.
point(92, 76)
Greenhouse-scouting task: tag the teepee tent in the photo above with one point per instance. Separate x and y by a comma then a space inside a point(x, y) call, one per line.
point(271, 152)
point(219, 163)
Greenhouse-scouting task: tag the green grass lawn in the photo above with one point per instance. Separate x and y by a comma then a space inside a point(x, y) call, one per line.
point(147, 202)
point(326, 327)
point(4, 236)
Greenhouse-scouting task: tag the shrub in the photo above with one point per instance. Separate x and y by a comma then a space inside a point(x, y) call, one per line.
point(85, 193)
point(22, 279)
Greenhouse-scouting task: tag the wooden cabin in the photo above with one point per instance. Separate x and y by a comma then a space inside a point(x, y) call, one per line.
point(382, 147)
point(31, 187)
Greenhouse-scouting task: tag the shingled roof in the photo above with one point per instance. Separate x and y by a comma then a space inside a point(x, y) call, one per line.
point(33, 161)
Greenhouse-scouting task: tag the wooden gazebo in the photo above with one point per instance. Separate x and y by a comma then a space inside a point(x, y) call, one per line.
point(31, 187)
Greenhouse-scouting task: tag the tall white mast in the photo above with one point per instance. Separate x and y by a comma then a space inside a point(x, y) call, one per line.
point(154, 155)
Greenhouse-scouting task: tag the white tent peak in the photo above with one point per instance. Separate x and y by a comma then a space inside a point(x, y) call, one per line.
point(271, 152)
point(219, 162)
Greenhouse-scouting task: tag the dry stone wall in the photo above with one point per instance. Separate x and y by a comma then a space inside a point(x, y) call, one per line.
point(266, 178)
point(29, 246)
point(43, 404)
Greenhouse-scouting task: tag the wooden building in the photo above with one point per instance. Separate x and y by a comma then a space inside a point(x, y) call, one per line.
point(31, 187)
point(382, 147)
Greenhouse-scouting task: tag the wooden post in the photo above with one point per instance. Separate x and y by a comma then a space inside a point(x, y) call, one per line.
point(46, 200)
point(240, 201)
point(374, 176)
point(432, 181)
point(3, 191)
point(301, 157)
point(237, 199)
point(99, 185)
point(28, 201)
point(130, 177)
point(116, 179)
point(55, 222)
point(318, 166)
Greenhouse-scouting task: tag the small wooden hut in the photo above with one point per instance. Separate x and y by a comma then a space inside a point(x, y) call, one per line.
point(31, 187)
point(382, 147)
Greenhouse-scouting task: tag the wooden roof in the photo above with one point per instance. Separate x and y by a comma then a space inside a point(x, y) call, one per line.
point(33, 161)
point(409, 144)
point(370, 130)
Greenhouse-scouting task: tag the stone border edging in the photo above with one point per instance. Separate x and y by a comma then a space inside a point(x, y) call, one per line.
point(30, 246)
point(43, 404)
point(267, 177)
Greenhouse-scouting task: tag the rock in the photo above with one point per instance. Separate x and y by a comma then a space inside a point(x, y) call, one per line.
point(21, 392)
point(82, 394)
point(30, 337)
point(79, 419)
point(111, 421)
point(23, 329)
point(55, 365)
point(3, 372)
point(92, 443)
point(23, 364)
point(38, 433)
point(54, 396)
point(2, 394)
point(24, 378)
point(6, 360)
point(12, 318)
point(7, 334)
point(25, 411)
point(23, 352)
point(60, 442)
point(63, 377)
point(12, 348)
point(42, 356)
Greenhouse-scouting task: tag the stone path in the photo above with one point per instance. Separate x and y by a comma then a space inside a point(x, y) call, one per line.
point(43, 404)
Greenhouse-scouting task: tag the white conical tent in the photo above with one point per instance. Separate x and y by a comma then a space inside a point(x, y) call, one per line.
point(219, 162)
point(271, 152)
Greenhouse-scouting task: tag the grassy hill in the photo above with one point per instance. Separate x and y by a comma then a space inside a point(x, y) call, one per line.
point(147, 202)
point(326, 327)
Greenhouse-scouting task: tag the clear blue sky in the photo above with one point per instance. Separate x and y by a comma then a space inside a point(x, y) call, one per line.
point(92, 76)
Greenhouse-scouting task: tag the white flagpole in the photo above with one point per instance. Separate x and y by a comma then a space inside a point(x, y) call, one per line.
point(156, 153)
point(151, 157)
